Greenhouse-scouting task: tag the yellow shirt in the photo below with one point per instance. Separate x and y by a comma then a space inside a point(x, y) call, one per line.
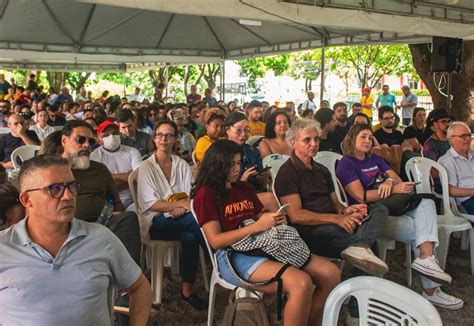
point(202, 145)
point(376, 127)
point(367, 100)
point(257, 128)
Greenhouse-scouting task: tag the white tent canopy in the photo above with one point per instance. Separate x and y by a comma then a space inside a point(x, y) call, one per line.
point(127, 35)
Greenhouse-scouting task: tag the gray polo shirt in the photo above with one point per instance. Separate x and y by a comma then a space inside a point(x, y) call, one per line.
point(460, 170)
point(69, 289)
point(143, 142)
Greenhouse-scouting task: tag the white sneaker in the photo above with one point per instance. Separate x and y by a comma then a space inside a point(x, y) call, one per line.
point(443, 300)
point(364, 259)
point(429, 267)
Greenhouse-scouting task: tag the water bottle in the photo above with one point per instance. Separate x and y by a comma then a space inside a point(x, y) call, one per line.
point(106, 212)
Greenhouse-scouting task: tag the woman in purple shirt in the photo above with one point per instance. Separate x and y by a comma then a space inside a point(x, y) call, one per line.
point(356, 171)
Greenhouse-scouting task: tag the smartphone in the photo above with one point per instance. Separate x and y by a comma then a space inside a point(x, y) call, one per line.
point(366, 218)
point(283, 208)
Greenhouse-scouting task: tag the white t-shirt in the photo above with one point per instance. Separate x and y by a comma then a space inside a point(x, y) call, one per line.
point(125, 160)
point(42, 132)
point(152, 186)
point(309, 105)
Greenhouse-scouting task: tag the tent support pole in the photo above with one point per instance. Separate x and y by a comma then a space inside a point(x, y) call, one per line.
point(223, 79)
point(323, 50)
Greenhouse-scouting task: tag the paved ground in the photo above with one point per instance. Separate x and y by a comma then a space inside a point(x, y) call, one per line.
point(175, 312)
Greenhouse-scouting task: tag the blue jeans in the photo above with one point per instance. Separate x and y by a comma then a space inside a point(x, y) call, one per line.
point(187, 231)
point(469, 205)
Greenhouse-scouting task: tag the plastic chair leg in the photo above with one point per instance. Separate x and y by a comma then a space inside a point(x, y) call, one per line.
point(471, 249)
point(212, 298)
point(465, 239)
point(202, 258)
point(442, 250)
point(383, 246)
point(408, 263)
point(157, 254)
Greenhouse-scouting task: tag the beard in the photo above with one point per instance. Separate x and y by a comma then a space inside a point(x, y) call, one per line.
point(390, 125)
point(80, 160)
point(342, 118)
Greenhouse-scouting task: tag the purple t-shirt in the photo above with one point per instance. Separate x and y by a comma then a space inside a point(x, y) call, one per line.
point(350, 169)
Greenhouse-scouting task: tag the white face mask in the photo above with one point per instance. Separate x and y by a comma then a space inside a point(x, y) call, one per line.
point(111, 142)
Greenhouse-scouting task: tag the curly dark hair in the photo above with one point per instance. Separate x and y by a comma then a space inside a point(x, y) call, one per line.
point(215, 167)
point(271, 122)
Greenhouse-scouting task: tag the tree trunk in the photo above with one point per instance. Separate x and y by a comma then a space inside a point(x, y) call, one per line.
point(461, 84)
point(186, 79)
point(57, 80)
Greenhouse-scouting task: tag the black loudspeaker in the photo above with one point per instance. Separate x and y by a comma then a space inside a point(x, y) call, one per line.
point(446, 55)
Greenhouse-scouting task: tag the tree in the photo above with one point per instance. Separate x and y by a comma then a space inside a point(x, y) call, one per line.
point(209, 73)
point(257, 67)
point(56, 79)
point(462, 84)
point(77, 79)
point(307, 65)
point(372, 62)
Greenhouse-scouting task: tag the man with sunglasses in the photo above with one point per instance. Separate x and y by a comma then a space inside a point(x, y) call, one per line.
point(437, 144)
point(18, 136)
point(459, 163)
point(74, 264)
point(97, 186)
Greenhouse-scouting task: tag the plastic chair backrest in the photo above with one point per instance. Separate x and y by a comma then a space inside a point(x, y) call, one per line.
point(252, 140)
point(274, 161)
point(4, 130)
point(329, 160)
point(381, 302)
point(132, 184)
point(209, 249)
point(193, 156)
point(418, 169)
point(24, 152)
point(57, 128)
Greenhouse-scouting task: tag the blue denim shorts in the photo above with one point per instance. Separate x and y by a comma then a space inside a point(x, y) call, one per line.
point(243, 264)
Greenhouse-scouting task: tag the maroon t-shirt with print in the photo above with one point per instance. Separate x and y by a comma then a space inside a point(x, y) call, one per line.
point(240, 203)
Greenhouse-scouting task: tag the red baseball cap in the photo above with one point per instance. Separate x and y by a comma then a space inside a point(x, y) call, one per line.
point(104, 125)
point(366, 90)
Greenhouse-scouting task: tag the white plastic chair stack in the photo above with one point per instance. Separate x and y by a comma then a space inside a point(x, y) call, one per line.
point(381, 302)
point(418, 169)
point(158, 250)
point(24, 152)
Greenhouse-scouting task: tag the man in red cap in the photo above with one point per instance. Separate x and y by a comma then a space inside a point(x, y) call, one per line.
point(367, 102)
point(121, 160)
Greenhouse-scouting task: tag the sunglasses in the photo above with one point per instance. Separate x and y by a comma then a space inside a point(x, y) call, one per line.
point(56, 190)
point(82, 139)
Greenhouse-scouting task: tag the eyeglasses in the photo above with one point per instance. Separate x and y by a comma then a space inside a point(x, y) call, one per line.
point(308, 140)
point(82, 139)
point(56, 190)
point(241, 131)
point(462, 136)
point(162, 135)
point(389, 118)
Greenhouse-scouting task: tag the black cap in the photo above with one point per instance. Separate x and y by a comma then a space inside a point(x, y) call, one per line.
point(436, 115)
point(235, 117)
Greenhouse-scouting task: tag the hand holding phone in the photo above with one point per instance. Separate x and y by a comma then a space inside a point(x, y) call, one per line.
point(283, 208)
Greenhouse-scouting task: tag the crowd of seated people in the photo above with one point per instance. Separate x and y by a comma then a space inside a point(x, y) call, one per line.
point(107, 138)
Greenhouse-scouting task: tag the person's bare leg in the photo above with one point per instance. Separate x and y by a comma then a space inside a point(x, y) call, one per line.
point(296, 283)
point(326, 276)
point(426, 250)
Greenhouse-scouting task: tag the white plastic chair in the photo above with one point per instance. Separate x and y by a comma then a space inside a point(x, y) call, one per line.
point(193, 156)
point(329, 160)
point(252, 140)
point(274, 161)
point(467, 240)
point(4, 130)
point(418, 169)
point(57, 128)
point(381, 302)
point(24, 152)
point(215, 278)
point(158, 250)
